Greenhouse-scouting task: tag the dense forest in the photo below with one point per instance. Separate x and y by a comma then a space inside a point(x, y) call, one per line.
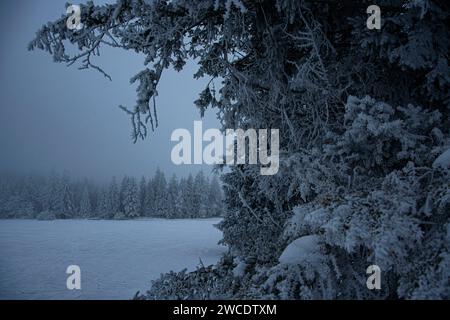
point(58, 197)
point(364, 118)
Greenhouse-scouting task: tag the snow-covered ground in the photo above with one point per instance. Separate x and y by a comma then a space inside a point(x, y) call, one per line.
point(117, 258)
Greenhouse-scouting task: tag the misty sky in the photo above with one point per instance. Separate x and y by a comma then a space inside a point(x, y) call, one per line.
point(57, 118)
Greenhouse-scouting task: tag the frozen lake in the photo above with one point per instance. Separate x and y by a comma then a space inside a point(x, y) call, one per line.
point(117, 258)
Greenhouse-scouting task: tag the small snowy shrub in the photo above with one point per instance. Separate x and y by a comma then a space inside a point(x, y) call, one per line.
point(120, 216)
point(46, 216)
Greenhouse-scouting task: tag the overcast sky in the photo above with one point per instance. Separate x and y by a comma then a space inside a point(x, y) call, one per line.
point(57, 118)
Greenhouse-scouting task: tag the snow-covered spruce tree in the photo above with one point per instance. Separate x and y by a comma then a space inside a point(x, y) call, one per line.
point(57, 196)
point(17, 197)
point(180, 203)
point(114, 198)
point(142, 194)
point(103, 208)
point(215, 198)
point(172, 198)
point(15, 206)
point(150, 199)
point(30, 192)
point(85, 204)
point(4, 194)
point(199, 199)
point(131, 198)
point(160, 194)
point(188, 196)
point(364, 136)
point(66, 198)
point(124, 186)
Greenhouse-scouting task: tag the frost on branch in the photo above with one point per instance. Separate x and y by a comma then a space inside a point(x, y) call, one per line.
point(443, 160)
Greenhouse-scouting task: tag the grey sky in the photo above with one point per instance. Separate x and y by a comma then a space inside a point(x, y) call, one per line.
point(58, 118)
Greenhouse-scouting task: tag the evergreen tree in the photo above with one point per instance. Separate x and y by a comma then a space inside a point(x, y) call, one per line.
point(66, 196)
point(95, 194)
point(200, 199)
point(53, 199)
point(114, 198)
point(131, 198)
point(160, 193)
point(122, 193)
point(150, 199)
point(215, 198)
point(3, 196)
point(31, 193)
point(172, 198)
point(142, 196)
point(104, 206)
point(188, 204)
point(180, 201)
point(85, 204)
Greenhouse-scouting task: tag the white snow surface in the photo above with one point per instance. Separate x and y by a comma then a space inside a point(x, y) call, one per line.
point(117, 258)
point(304, 249)
point(239, 270)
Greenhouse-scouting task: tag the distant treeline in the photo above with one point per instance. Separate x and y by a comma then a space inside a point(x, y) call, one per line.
point(59, 197)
